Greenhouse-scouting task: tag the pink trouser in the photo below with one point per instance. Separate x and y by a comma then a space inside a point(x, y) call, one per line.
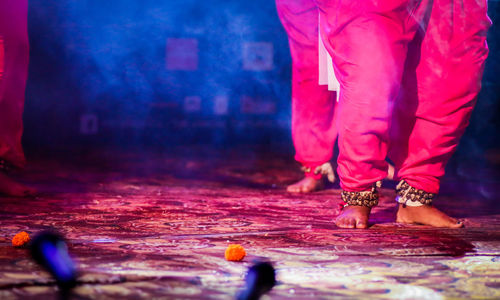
point(409, 73)
point(14, 55)
point(313, 128)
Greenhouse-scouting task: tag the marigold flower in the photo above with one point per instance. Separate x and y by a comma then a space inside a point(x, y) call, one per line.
point(20, 239)
point(235, 252)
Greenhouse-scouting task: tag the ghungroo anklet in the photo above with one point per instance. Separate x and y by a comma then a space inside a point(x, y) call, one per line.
point(365, 198)
point(410, 196)
point(324, 169)
point(5, 166)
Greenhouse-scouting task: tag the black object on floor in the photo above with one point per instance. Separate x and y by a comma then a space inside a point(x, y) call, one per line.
point(260, 279)
point(50, 251)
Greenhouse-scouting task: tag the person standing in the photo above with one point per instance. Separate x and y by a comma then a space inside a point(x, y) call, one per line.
point(14, 56)
point(315, 91)
point(409, 73)
point(314, 131)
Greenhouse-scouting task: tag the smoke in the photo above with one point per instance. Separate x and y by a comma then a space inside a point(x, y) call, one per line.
point(108, 63)
point(99, 73)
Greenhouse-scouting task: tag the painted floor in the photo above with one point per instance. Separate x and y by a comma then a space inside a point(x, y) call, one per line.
point(156, 226)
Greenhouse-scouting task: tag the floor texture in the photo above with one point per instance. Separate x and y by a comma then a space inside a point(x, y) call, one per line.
point(156, 226)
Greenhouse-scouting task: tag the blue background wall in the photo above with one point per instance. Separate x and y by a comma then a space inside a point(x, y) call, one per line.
point(127, 72)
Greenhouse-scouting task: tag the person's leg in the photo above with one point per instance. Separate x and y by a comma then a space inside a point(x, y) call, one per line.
point(14, 35)
point(13, 30)
point(368, 43)
point(313, 129)
point(440, 91)
point(2, 53)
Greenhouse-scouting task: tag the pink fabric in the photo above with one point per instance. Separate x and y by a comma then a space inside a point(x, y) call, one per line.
point(313, 129)
point(14, 36)
point(1, 58)
point(439, 91)
point(435, 50)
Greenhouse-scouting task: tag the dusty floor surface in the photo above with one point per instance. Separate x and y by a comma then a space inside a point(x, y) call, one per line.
point(156, 226)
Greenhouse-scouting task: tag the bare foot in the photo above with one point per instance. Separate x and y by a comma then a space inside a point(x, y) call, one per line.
point(306, 185)
point(12, 188)
point(353, 217)
point(426, 215)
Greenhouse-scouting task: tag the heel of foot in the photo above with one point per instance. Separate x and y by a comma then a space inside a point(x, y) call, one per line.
point(426, 215)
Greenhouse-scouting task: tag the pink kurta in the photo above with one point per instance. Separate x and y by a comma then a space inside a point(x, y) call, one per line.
point(14, 55)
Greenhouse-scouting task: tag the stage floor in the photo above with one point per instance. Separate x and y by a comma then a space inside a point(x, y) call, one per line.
point(156, 226)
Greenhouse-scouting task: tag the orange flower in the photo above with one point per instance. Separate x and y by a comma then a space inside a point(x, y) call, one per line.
point(235, 252)
point(20, 239)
